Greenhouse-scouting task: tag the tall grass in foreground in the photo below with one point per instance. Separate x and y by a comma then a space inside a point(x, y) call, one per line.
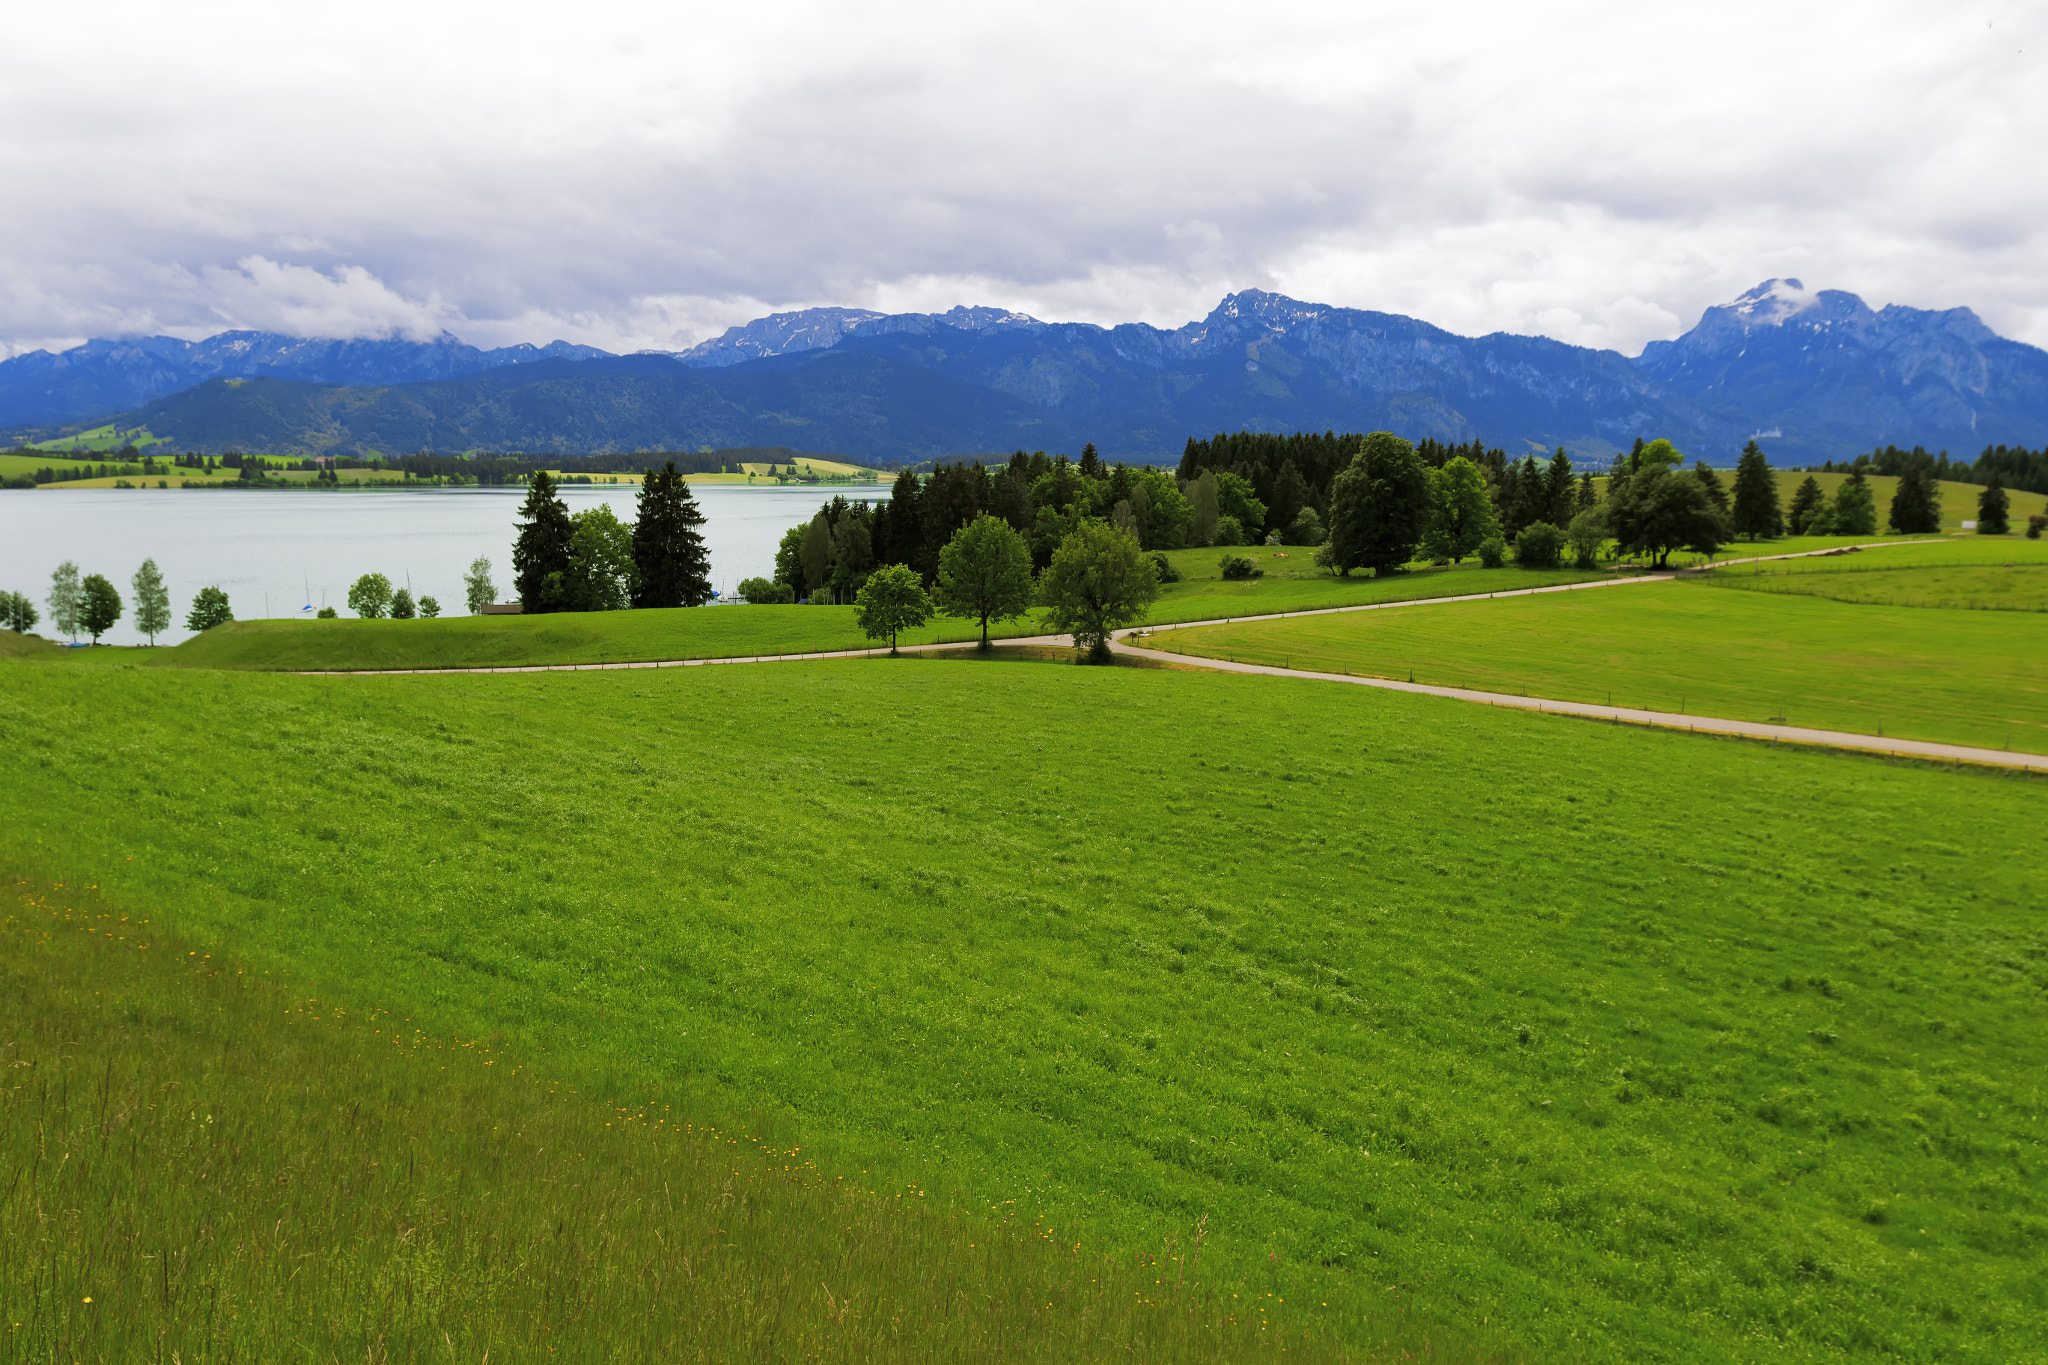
point(196, 1165)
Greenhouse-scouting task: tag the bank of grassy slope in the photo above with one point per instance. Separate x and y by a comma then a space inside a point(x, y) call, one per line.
point(248, 1172)
point(1979, 573)
point(1958, 677)
point(1633, 1046)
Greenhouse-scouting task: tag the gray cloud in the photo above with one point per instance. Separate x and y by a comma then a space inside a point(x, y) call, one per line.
point(644, 174)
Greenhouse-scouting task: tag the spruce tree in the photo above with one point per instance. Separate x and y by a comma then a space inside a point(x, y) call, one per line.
point(668, 549)
point(1756, 512)
point(1993, 508)
point(1916, 506)
point(1711, 481)
point(541, 554)
point(1855, 506)
point(1805, 499)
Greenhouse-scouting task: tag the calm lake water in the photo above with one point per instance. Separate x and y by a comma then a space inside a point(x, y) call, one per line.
point(278, 553)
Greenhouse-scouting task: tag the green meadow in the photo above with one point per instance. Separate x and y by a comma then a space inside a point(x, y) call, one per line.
point(1290, 584)
point(247, 1171)
point(1530, 1036)
point(1960, 677)
point(1976, 573)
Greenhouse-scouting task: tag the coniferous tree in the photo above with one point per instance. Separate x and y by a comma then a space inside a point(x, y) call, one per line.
point(19, 614)
point(1855, 506)
point(1756, 512)
point(1091, 463)
point(1589, 494)
point(1805, 499)
point(1916, 505)
point(674, 569)
point(1711, 481)
point(1559, 496)
point(1993, 508)
point(152, 601)
point(542, 552)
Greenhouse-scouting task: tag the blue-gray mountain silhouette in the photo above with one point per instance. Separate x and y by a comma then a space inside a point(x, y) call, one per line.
point(1814, 375)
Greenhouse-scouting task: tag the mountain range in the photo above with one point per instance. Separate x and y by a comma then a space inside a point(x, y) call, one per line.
point(1811, 374)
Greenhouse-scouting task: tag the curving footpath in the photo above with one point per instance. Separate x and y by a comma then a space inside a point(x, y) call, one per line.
point(1614, 715)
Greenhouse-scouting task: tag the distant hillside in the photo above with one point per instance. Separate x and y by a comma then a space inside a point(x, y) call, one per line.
point(1813, 375)
point(101, 378)
point(1819, 375)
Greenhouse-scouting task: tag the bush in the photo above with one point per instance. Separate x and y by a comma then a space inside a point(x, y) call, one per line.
point(1540, 546)
point(1307, 529)
point(2035, 525)
point(1237, 566)
point(1167, 573)
point(328, 614)
point(1492, 551)
point(766, 591)
point(1273, 538)
point(1229, 531)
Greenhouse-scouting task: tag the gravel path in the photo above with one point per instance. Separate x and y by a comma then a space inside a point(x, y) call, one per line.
point(1614, 715)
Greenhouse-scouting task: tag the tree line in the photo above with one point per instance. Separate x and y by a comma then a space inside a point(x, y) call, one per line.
point(592, 561)
point(91, 604)
point(2010, 466)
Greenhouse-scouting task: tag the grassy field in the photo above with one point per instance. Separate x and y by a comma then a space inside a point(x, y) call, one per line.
point(252, 1173)
point(1481, 1013)
point(1980, 573)
point(1958, 500)
point(740, 632)
point(1963, 677)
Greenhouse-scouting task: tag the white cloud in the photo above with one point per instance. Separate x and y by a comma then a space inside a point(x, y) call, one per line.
point(644, 174)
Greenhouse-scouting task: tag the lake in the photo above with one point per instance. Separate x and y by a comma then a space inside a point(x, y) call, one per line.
point(276, 553)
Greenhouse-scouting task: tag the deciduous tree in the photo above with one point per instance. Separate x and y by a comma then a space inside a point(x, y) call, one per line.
point(893, 600)
point(99, 607)
point(1379, 506)
point(601, 574)
point(478, 591)
point(1099, 581)
point(67, 599)
point(985, 573)
point(152, 601)
point(210, 609)
point(370, 596)
point(1461, 512)
point(1662, 509)
point(17, 613)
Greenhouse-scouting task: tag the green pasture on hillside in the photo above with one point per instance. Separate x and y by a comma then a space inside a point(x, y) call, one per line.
point(1960, 677)
point(746, 631)
point(1983, 573)
point(1619, 1045)
point(1958, 500)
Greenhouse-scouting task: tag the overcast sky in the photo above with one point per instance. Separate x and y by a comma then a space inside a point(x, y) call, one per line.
point(643, 175)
